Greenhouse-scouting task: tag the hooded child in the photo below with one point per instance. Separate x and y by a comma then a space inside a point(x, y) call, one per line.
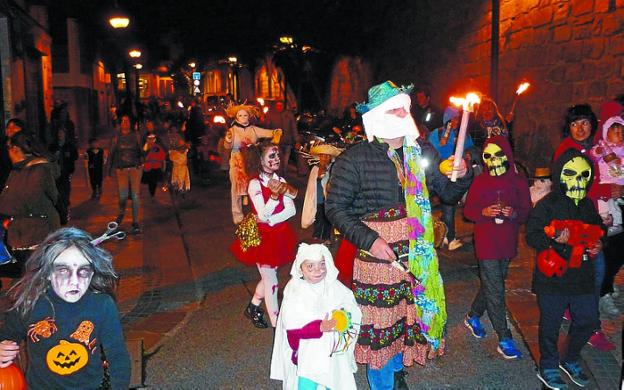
point(304, 351)
point(498, 202)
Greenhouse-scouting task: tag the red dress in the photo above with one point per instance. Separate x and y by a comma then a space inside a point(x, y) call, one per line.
point(277, 243)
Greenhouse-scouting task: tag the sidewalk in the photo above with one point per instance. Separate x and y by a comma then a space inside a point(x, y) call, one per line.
point(156, 291)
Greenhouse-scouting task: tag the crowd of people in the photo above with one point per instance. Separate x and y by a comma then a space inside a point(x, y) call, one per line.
point(380, 301)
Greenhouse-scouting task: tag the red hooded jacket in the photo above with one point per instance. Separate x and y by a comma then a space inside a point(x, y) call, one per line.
point(492, 240)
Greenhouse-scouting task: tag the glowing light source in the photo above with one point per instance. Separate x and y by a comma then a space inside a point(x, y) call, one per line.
point(260, 101)
point(138, 66)
point(192, 65)
point(134, 53)
point(180, 104)
point(218, 119)
point(265, 109)
point(466, 103)
point(522, 87)
point(286, 39)
point(232, 60)
point(119, 21)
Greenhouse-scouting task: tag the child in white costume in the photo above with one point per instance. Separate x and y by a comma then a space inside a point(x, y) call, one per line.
point(305, 334)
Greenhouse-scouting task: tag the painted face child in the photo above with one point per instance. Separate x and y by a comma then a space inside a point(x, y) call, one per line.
point(314, 271)
point(270, 161)
point(71, 275)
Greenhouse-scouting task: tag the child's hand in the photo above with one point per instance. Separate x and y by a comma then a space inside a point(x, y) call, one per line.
point(563, 237)
point(9, 350)
point(328, 325)
point(593, 251)
point(507, 211)
point(491, 211)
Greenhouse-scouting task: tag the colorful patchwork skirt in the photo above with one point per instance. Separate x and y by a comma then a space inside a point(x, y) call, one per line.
point(390, 324)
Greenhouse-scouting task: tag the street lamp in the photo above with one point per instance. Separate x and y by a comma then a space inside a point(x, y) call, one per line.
point(119, 21)
point(233, 62)
point(192, 65)
point(134, 53)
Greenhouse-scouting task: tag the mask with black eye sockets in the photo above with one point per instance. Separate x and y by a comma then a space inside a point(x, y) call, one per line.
point(495, 160)
point(575, 177)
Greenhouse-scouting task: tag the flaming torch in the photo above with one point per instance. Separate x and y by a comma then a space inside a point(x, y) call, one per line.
point(521, 89)
point(467, 104)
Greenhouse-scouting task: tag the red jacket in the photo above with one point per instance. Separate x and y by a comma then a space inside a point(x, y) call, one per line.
point(492, 240)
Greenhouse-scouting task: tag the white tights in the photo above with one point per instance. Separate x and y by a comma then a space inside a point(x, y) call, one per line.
point(267, 289)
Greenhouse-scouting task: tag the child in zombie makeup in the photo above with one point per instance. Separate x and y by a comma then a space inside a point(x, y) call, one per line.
point(575, 288)
point(318, 313)
point(274, 243)
point(65, 313)
point(498, 202)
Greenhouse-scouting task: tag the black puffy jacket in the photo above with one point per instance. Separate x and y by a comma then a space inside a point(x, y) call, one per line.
point(364, 180)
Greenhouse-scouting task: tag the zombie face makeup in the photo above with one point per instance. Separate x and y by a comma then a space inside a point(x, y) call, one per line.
point(313, 271)
point(270, 160)
point(495, 160)
point(71, 275)
point(575, 177)
point(242, 117)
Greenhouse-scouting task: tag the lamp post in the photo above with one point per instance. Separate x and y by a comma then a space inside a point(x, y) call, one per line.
point(233, 62)
point(286, 42)
point(135, 54)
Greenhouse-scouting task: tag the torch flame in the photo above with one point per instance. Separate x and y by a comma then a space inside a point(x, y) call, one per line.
point(466, 103)
point(523, 87)
point(260, 101)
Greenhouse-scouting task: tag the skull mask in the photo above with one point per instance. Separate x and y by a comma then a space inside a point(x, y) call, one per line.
point(495, 160)
point(575, 177)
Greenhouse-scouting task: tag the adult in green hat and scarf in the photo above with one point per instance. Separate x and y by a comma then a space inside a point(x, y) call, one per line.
point(378, 197)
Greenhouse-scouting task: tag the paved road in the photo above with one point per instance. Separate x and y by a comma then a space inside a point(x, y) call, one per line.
point(219, 349)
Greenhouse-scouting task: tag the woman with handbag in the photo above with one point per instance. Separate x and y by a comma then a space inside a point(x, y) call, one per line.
point(28, 198)
point(264, 237)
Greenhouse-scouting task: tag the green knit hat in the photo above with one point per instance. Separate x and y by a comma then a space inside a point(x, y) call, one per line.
point(378, 94)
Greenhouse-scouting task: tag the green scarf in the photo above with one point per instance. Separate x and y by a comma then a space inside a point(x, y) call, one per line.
point(423, 259)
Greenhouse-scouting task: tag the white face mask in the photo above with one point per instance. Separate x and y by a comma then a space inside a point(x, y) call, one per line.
point(381, 124)
point(71, 275)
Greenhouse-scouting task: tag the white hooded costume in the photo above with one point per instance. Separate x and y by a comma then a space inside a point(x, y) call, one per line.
point(303, 303)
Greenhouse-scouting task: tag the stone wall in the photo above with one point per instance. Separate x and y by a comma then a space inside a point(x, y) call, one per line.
point(571, 51)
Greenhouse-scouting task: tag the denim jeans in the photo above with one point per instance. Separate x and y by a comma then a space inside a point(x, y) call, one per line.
point(491, 295)
point(129, 183)
point(599, 271)
point(448, 217)
point(383, 378)
point(583, 310)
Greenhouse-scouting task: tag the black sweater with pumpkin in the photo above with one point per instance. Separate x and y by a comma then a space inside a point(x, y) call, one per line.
point(65, 340)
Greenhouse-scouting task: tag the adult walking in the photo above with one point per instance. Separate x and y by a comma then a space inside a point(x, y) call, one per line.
point(28, 198)
point(284, 119)
point(378, 198)
point(126, 159)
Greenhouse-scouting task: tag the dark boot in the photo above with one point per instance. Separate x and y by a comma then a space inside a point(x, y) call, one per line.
point(255, 314)
point(399, 380)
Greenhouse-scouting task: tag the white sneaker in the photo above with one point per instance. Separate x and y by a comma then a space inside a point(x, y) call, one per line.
point(607, 306)
point(455, 244)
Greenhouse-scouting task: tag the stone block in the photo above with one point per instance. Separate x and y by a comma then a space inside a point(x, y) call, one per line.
point(601, 6)
point(583, 19)
point(581, 7)
point(614, 87)
point(606, 69)
point(561, 13)
point(557, 74)
point(594, 49)
point(589, 71)
point(619, 3)
point(582, 32)
point(541, 16)
point(616, 45)
point(598, 88)
point(580, 91)
point(597, 27)
point(573, 51)
point(562, 33)
point(573, 72)
point(612, 24)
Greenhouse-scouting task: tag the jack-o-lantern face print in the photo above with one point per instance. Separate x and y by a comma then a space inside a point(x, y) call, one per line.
point(67, 358)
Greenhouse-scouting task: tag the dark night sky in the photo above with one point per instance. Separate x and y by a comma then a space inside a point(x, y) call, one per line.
point(247, 28)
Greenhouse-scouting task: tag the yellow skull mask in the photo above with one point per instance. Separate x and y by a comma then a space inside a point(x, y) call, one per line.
point(575, 177)
point(495, 160)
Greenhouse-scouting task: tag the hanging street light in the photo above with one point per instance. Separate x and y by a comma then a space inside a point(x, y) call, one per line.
point(134, 53)
point(119, 21)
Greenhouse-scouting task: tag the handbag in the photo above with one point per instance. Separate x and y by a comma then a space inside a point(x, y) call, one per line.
point(248, 233)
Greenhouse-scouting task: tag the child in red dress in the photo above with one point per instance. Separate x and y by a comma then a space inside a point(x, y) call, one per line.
point(272, 207)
